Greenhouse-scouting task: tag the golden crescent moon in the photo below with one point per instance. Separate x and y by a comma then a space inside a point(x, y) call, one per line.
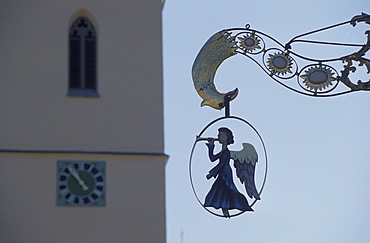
point(217, 49)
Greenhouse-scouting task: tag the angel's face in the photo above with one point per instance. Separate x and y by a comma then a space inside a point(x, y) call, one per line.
point(222, 137)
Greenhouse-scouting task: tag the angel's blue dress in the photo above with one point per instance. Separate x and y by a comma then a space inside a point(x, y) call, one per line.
point(224, 193)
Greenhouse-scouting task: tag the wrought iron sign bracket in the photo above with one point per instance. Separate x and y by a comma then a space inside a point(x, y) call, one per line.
point(318, 78)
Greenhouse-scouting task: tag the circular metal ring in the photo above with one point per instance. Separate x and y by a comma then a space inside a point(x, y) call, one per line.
point(250, 43)
point(319, 67)
point(280, 64)
point(191, 157)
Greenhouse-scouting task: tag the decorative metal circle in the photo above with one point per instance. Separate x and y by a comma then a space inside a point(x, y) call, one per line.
point(280, 63)
point(191, 158)
point(318, 78)
point(250, 43)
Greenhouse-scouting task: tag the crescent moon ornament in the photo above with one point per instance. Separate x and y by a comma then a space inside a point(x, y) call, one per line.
point(217, 49)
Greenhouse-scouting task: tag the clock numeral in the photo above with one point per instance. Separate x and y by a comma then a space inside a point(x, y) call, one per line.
point(86, 200)
point(95, 171)
point(100, 188)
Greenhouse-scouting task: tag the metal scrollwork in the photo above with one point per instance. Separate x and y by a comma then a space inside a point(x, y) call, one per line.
point(357, 57)
point(317, 77)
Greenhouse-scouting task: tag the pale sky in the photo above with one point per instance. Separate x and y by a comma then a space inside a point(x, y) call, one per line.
point(317, 187)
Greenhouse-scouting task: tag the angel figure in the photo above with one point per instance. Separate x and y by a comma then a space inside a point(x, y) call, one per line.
point(223, 193)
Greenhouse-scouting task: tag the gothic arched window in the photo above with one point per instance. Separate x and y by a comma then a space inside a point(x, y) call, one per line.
point(82, 59)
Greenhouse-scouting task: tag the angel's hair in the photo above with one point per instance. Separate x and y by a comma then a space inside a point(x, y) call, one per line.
point(229, 134)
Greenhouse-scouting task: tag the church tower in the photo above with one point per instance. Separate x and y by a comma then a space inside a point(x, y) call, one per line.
point(81, 129)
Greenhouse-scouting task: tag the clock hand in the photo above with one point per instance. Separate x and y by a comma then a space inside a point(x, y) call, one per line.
point(78, 179)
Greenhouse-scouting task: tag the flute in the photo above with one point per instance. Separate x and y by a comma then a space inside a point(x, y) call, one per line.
point(198, 138)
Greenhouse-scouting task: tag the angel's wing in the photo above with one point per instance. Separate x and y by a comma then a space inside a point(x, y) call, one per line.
point(245, 162)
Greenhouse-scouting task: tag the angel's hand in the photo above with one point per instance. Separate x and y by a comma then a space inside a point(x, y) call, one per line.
point(211, 140)
point(208, 176)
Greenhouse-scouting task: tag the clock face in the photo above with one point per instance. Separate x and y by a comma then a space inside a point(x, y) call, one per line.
point(81, 183)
